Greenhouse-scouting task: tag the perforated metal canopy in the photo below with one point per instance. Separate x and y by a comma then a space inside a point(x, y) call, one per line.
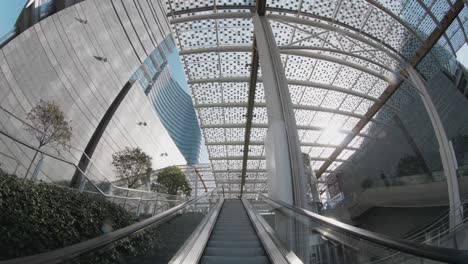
point(342, 59)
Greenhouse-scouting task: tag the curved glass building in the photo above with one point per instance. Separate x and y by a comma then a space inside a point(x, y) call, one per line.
point(174, 107)
point(336, 130)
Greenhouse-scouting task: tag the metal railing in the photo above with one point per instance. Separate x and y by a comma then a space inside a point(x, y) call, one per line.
point(101, 176)
point(439, 226)
point(150, 204)
point(371, 240)
point(92, 177)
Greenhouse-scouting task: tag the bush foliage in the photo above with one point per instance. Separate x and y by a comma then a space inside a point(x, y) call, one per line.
point(37, 218)
point(132, 165)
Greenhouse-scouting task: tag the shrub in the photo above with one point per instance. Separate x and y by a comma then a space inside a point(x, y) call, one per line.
point(37, 218)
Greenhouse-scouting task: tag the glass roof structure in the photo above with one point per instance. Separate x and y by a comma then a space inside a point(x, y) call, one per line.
point(343, 61)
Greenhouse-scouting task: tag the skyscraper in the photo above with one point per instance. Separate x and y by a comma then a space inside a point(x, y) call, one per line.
point(175, 109)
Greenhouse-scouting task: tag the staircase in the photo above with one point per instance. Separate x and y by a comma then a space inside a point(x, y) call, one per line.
point(234, 239)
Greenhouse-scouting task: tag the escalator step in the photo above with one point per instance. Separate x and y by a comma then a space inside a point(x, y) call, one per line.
point(233, 239)
point(234, 260)
point(232, 252)
point(229, 233)
point(234, 244)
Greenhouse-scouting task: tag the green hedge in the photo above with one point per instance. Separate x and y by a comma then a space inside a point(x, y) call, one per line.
point(36, 218)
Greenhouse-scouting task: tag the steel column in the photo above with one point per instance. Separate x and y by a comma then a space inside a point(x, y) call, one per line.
point(283, 153)
point(448, 159)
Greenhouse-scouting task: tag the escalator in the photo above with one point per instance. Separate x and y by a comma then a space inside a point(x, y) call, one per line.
point(234, 239)
point(210, 229)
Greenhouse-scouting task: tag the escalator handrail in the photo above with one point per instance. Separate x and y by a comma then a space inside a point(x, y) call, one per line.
point(75, 250)
point(447, 255)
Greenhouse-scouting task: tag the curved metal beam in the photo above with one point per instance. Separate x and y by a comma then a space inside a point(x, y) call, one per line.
point(319, 56)
point(397, 18)
point(354, 33)
point(300, 51)
point(332, 88)
point(262, 158)
point(245, 48)
point(238, 181)
point(225, 15)
point(265, 126)
point(227, 48)
point(284, 10)
point(290, 82)
point(296, 107)
point(260, 143)
point(330, 27)
point(239, 171)
point(419, 55)
point(339, 52)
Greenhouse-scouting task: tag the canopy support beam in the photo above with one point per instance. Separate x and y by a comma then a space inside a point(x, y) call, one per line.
point(283, 152)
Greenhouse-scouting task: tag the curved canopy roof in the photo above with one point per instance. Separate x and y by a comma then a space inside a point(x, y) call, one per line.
point(342, 60)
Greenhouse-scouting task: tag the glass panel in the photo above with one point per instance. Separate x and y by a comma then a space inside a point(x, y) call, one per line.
point(314, 242)
point(60, 172)
point(158, 242)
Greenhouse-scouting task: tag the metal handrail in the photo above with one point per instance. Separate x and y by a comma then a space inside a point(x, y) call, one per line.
point(434, 224)
point(192, 249)
point(70, 252)
point(447, 255)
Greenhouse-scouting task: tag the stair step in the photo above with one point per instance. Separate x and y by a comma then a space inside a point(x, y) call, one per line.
point(224, 233)
point(234, 260)
point(235, 228)
point(234, 244)
point(232, 252)
point(227, 238)
point(233, 239)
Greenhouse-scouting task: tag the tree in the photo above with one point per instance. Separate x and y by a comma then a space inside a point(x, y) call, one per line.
point(133, 166)
point(49, 126)
point(173, 180)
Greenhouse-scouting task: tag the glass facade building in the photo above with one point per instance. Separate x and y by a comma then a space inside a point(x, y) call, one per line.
point(171, 102)
point(81, 55)
point(175, 109)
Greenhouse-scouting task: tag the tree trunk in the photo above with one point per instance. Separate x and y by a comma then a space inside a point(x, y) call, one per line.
point(30, 165)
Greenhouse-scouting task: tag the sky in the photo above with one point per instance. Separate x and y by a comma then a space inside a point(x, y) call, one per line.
point(462, 55)
point(9, 11)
